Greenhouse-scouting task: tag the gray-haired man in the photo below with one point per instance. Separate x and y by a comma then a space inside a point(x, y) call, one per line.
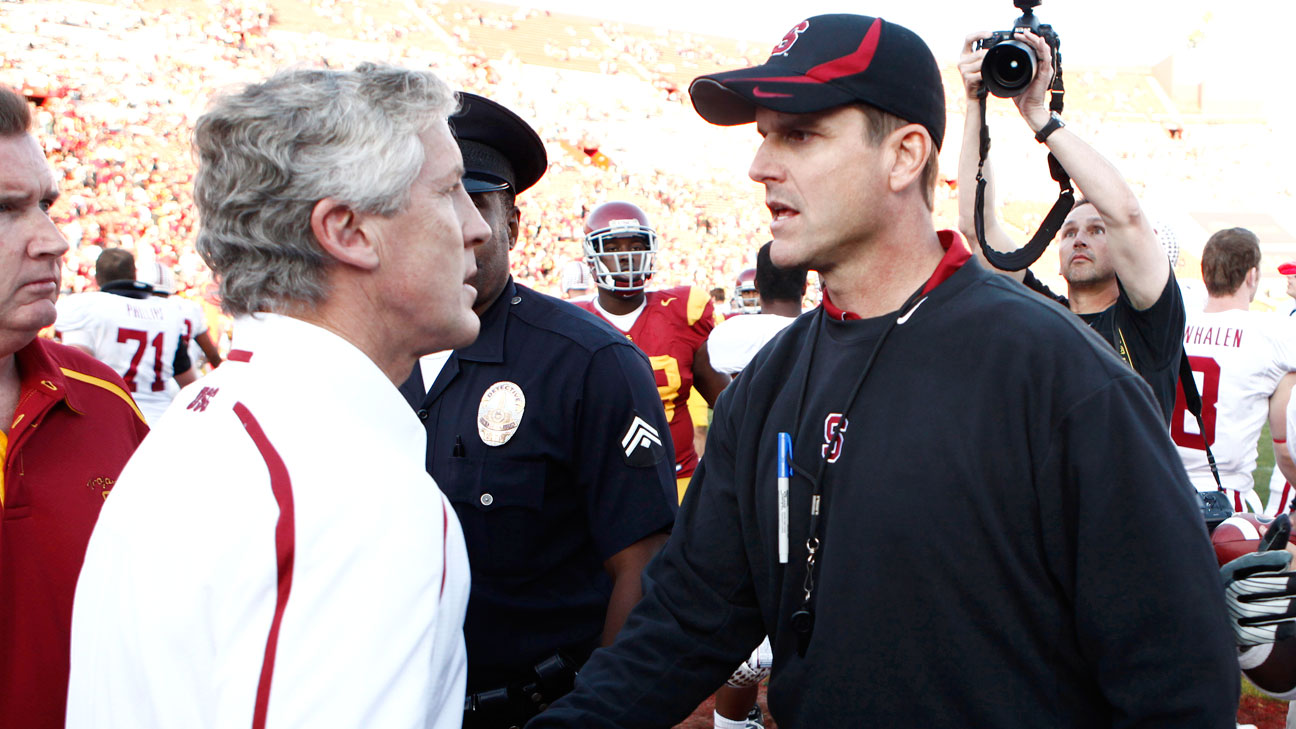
point(317, 576)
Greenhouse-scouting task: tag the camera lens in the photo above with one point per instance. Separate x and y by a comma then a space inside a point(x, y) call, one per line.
point(1008, 68)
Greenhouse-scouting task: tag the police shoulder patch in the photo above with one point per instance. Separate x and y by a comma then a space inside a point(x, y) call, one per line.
point(642, 444)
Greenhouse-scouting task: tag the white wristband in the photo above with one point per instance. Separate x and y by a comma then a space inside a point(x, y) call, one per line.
point(1254, 656)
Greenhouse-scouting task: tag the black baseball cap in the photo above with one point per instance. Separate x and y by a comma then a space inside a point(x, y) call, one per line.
point(829, 61)
point(499, 150)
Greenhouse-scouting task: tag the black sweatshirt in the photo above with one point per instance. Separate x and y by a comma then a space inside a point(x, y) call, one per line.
point(1009, 538)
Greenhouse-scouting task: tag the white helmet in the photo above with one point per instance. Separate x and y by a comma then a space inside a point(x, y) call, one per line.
point(157, 275)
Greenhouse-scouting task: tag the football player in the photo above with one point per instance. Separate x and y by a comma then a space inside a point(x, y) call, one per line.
point(122, 325)
point(198, 336)
point(1245, 363)
point(669, 325)
point(745, 299)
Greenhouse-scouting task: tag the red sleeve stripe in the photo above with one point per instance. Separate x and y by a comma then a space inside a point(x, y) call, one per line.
point(445, 559)
point(285, 546)
point(239, 355)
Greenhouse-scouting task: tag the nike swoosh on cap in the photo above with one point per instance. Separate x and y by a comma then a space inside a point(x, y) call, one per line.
point(756, 91)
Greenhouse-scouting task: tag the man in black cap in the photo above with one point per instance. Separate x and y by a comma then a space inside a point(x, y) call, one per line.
point(548, 436)
point(947, 502)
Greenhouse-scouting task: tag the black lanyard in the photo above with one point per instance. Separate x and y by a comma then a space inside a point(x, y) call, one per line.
point(803, 619)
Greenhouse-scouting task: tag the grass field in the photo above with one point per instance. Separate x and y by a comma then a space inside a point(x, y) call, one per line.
point(1264, 465)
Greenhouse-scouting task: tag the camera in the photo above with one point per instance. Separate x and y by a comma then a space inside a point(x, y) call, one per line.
point(1215, 508)
point(1009, 65)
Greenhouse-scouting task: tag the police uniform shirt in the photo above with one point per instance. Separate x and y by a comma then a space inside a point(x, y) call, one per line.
point(549, 438)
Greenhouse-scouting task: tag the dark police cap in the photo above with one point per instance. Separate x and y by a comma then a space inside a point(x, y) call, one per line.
point(499, 149)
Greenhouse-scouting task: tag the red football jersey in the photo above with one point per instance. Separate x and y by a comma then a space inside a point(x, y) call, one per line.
point(671, 327)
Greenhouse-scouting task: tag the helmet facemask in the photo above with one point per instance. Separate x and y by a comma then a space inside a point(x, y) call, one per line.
point(622, 271)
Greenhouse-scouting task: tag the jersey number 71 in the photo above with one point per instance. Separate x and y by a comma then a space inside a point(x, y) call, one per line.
point(141, 342)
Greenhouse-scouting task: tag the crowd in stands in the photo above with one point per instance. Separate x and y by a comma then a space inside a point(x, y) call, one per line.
point(119, 85)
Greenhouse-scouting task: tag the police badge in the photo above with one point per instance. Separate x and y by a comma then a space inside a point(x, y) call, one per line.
point(500, 413)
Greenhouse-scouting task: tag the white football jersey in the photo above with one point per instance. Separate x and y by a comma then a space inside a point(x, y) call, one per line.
point(138, 338)
point(1237, 358)
point(734, 341)
point(196, 324)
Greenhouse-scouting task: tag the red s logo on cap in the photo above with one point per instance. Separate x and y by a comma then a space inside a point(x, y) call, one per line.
point(790, 39)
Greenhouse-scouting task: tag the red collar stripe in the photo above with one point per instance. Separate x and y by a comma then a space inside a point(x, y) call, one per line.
point(956, 254)
point(954, 258)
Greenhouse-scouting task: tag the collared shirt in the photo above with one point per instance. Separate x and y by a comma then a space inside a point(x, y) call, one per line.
point(548, 436)
point(315, 576)
point(72, 432)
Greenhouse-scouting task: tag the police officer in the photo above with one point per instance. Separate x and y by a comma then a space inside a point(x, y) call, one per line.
point(548, 436)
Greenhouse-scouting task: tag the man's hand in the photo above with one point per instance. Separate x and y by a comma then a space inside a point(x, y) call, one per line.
point(1261, 597)
point(969, 64)
point(1033, 103)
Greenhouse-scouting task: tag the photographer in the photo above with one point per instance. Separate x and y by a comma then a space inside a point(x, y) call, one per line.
point(1118, 277)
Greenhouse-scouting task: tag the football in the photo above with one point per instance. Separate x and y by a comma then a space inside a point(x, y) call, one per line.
point(1238, 535)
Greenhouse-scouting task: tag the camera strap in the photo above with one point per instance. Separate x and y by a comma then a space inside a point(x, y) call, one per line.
point(1029, 253)
point(1193, 403)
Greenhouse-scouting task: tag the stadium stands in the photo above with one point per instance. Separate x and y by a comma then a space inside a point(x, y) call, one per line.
point(118, 85)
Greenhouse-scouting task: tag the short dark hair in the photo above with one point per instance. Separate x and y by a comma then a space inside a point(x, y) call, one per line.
point(778, 284)
point(1228, 256)
point(881, 124)
point(114, 264)
point(15, 114)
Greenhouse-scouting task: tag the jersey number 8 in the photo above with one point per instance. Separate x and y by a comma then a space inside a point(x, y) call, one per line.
point(1208, 385)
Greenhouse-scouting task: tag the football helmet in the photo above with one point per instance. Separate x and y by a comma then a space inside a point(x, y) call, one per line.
point(620, 269)
point(157, 275)
point(745, 299)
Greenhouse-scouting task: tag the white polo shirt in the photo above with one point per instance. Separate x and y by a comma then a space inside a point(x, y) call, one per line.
point(314, 577)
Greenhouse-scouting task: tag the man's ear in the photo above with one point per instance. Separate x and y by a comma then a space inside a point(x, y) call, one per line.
point(344, 234)
point(910, 147)
point(514, 224)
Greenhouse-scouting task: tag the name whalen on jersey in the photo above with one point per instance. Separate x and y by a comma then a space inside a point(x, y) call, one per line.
point(1217, 336)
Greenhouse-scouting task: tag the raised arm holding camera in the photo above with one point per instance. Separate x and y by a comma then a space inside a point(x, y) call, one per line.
point(1118, 277)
